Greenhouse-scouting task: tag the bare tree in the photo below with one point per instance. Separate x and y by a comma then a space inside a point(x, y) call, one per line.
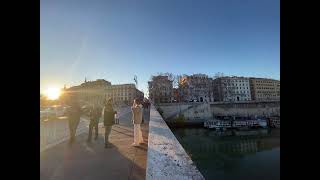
point(175, 81)
point(172, 77)
point(218, 75)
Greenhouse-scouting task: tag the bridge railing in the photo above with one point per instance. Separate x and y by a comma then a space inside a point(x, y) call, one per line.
point(166, 157)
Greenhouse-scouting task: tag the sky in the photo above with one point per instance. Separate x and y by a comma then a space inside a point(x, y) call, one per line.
point(117, 39)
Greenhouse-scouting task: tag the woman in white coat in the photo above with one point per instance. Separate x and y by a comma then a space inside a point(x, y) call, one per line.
point(137, 120)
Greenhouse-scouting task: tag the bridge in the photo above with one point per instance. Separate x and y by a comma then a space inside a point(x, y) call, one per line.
point(160, 157)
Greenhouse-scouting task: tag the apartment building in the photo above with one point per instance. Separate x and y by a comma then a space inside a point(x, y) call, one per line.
point(124, 93)
point(196, 87)
point(161, 89)
point(231, 89)
point(263, 89)
point(96, 92)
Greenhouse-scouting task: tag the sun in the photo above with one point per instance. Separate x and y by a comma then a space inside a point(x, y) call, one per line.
point(53, 93)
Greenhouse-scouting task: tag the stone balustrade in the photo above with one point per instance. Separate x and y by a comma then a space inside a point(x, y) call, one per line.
point(166, 158)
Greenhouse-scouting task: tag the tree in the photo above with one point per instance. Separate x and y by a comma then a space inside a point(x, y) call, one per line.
point(172, 77)
point(218, 75)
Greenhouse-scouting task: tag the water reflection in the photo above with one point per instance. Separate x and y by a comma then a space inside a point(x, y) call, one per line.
point(233, 154)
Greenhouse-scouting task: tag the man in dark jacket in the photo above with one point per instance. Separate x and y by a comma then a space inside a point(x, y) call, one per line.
point(94, 114)
point(108, 117)
point(74, 114)
point(146, 110)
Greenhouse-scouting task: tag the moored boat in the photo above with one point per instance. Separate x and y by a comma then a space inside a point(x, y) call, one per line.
point(262, 123)
point(239, 124)
point(218, 124)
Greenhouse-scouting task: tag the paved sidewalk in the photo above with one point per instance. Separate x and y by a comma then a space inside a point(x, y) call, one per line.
point(91, 161)
point(56, 131)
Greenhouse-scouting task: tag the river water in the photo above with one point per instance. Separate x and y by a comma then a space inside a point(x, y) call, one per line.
point(248, 155)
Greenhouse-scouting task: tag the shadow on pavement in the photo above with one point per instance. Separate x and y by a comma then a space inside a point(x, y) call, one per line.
point(84, 161)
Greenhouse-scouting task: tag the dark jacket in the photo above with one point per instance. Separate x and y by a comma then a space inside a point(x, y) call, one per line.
point(95, 114)
point(74, 113)
point(108, 115)
point(146, 104)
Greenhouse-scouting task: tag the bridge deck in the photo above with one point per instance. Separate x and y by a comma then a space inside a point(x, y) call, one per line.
point(84, 161)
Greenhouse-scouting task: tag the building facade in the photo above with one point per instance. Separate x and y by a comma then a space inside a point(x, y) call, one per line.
point(161, 89)
point(96, 92)
point(197, 87)
point(231, 89)
point(264, 89)
point(91, 92)
point(124, 93)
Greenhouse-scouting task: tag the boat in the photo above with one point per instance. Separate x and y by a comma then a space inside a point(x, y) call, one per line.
point(239, 124)
point(263, 123)
point(275, 122)
point(218, 124)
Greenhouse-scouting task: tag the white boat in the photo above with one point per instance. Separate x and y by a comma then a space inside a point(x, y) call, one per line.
point(263, 123)
point(218, 124)
point(275, 122)
point(240, 124)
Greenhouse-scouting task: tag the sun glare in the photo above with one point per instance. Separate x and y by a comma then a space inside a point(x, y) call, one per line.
point(53, 93)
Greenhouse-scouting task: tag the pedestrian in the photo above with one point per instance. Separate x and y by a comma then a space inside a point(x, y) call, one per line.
point(146, 110)
point(137, 120)
point(73, 114)
point(94, 115)
point(116, 117)
point(143, 107)
point(108, 116)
